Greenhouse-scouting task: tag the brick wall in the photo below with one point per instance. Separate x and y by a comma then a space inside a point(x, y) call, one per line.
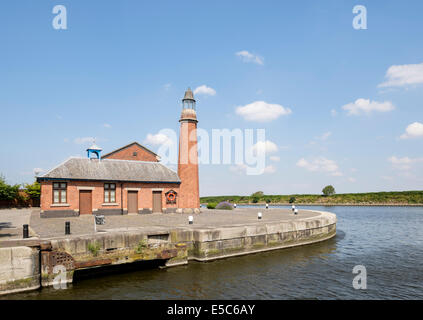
point(145, 195)
point(128, 154)
point(188, 165)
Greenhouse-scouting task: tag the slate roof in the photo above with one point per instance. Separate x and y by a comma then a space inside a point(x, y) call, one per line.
point(111, 170)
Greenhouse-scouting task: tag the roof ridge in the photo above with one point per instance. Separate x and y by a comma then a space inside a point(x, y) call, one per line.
point(142, 161)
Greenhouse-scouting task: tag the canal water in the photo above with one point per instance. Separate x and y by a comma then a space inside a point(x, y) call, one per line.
point(388, 241)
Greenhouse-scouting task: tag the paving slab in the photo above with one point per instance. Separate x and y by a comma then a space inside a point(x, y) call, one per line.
point(84, 224)
point(11, 222)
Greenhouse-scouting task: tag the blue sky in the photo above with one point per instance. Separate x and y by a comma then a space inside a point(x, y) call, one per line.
point(119, 70)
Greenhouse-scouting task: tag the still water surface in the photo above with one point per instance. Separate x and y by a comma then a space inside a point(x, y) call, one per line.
point(388, 241)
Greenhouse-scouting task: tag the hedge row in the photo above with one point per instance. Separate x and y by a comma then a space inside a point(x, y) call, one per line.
point(404, 197)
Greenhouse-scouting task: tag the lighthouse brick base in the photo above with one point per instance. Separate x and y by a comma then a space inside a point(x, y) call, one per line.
point(189, 194)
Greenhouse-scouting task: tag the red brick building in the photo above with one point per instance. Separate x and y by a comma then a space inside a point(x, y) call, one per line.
point(129, 180)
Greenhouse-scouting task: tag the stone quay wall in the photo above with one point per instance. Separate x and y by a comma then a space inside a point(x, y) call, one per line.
point(217, 243)
point(19, 269)
point(39, 262)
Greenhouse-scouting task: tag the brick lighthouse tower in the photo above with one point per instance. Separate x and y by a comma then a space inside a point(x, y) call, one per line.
point(189, 194)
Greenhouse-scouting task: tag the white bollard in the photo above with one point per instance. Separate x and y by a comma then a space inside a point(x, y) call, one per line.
point(267, 206)
point(234, 205)
point(293, 208)
point(190, 219)
point(259, 215)
point(296, 211)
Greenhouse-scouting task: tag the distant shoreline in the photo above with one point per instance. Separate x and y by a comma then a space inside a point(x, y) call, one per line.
point(381, 199)
point(335, 204)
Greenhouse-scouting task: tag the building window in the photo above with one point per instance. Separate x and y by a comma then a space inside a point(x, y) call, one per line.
point(135, 154)
point(109, 192)
point(59, 192)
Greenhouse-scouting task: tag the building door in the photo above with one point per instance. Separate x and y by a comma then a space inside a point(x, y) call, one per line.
point(157, 201)
point(85, 202)
point(132, 201)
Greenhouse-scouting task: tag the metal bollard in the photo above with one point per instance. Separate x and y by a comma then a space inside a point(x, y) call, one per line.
point(25, 231)
point(67, 227)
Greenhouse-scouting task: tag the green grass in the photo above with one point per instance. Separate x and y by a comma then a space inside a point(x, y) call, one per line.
point(94, 248)
point(142, 244)
point(403, 197)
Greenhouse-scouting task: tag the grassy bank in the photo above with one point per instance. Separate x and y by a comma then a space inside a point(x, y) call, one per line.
point(372, 198)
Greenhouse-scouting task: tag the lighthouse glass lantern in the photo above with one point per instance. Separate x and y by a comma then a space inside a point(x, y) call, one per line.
point(188, 102)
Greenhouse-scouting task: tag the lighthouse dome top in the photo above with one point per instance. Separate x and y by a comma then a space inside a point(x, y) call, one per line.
point(188, 95)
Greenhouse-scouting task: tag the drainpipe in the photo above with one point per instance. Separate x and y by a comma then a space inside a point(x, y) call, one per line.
point(121, 198)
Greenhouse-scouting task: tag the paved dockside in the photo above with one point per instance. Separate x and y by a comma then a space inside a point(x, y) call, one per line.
point(55, 227)
point(11, 222)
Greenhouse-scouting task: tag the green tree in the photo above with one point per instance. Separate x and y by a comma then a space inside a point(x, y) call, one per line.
point(292, 200)
point(33, 190)
point(328, 191)
point(255, 197)
point(8, 192)
point(258, 194)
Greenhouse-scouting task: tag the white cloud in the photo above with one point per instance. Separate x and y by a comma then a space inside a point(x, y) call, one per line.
point(324, 136)
point(387, 178)
point(320, 164)
point(84, 140)
point(265, 147)
point(205, 90)
point(242, 169)
point(275, 158)
point(403, 75)
point(37, 171)
point(404, 163)
point(239, 168)
point(270, 169)
point(414, 130)
point(365, 106)
point(249, 57)
point(158, 139)
point(261, 111)
point(107, 125)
